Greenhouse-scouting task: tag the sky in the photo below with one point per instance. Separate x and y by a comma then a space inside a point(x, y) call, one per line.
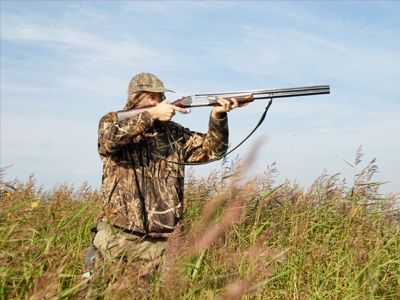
point(64, 64)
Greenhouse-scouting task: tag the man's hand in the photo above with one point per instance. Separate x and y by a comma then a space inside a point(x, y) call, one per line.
point(226, 106)
point(164, 111)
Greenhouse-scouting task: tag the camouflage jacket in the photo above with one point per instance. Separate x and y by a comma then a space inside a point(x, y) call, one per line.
point(139, 152)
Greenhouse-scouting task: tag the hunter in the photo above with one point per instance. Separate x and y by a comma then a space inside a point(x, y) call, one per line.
point(142, 182)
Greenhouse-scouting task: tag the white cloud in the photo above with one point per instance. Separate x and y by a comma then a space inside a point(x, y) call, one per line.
point(89, 48)
point(292, 55)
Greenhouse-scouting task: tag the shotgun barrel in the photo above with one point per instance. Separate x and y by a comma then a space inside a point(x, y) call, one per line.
point(251, 95)
point(278, 93)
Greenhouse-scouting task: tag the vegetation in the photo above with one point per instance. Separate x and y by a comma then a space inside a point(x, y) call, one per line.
point(256, 239)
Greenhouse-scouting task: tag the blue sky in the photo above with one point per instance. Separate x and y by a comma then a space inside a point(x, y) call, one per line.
point(66, 63)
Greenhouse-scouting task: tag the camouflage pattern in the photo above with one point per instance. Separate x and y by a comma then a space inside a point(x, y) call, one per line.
point(140, 152)
point(146, 82)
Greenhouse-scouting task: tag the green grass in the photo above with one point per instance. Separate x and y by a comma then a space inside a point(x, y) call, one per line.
point(258, 240)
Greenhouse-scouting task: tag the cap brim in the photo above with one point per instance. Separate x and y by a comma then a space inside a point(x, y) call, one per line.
point(154, 90)
point(163, 90)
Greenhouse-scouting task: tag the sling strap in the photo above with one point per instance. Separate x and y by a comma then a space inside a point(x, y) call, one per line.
point(230, 151)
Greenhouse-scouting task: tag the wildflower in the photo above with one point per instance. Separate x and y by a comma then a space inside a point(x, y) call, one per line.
point(7, 194)
point(9, 215)
point(34, 204)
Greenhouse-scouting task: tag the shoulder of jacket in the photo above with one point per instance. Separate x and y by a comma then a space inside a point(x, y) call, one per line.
point(110, 116)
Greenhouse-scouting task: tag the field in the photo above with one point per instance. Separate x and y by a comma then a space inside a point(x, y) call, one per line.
point(244, 238)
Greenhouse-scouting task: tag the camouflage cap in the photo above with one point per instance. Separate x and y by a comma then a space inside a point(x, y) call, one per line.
point(146, 82)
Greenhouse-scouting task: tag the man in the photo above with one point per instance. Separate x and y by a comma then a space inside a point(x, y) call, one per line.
point(143, 171)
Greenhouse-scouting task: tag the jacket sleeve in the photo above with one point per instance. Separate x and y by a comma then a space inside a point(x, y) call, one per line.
point(113, 134)
point(203, 147)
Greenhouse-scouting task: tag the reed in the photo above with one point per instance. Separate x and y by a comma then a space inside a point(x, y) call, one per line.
point(258, 239)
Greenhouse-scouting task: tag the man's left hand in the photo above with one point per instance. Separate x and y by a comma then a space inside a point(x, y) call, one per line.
point(225, 106)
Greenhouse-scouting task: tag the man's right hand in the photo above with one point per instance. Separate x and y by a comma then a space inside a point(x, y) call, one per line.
point(164, 111)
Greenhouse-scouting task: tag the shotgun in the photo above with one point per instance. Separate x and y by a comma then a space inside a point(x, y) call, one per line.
point(242, 97)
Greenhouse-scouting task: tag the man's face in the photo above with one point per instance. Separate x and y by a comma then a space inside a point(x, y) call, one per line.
point(147, 99)
point(153, 99)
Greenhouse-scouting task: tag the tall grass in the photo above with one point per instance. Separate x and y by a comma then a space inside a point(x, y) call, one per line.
point(258, 239)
